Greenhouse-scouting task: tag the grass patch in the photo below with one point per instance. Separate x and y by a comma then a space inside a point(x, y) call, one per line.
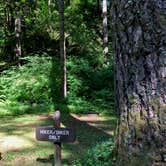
point(28, 151)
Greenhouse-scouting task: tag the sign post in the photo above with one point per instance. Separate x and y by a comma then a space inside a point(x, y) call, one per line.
point(56, 135)
point(57, 151)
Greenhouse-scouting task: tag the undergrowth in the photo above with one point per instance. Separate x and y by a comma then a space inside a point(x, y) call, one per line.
point(101, 155)
point(35, 86)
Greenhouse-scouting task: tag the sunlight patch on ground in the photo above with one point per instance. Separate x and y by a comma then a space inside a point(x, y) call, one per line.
point(89, 117)
point(19, 146)
point(103, 127)
point(96, 121)
point(13, 143)
point(23, 161)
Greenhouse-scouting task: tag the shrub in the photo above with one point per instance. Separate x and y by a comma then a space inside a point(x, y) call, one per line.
point(100, 155)
point(27, 85)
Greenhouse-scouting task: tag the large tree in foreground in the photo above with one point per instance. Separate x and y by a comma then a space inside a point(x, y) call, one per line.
point(140, 76)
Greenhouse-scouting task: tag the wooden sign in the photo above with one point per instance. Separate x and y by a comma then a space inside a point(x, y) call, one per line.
point(55, 134)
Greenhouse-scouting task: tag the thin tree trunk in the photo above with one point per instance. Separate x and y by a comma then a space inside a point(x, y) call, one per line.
point(140, 63)
point(17, 37)
point(105, 29)
point(49, 7)
point(9, 16)
point(62, 49)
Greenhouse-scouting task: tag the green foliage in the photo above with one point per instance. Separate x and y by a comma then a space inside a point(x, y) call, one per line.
point(37, 81)
point(100, 155)
point(2, 32)
point(27, 86)
point(35, 86)
point(41, 26)
point(88, 88)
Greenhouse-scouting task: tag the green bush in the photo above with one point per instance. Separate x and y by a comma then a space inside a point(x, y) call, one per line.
point(27, 85)
point(38, 82)
point(89, 88)
point(100, 155)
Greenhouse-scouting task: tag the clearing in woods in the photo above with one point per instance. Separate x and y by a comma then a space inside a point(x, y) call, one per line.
point(18, 145)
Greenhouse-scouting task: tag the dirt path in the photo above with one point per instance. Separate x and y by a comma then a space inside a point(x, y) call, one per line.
point(18, 146)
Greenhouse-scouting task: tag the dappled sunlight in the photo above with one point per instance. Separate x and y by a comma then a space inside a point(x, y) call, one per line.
point(23, 161)
point(103, 127)
point(18, 142)
point(88, 117)
point(12, 143)
point(31, 83)
point(99, 122)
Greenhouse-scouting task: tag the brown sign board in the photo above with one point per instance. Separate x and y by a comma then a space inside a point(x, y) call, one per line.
point(55, 134)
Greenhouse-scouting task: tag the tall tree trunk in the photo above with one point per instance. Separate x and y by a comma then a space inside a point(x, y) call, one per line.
point(140, 78)
point(9, 27)
point(17, 37)
point(105, 29)
point(62, 49)
point(9, 16)
point(49, 7)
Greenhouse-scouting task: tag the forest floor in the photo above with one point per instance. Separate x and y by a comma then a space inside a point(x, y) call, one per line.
point(18, 145)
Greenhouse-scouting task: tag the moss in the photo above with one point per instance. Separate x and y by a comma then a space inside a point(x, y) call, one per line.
point(134, 159)
point(132, 100)
point(135, 147)
point(163, 109)
point(144, 156)
point(140, 127)
point(155, 104)
point(162, 19)
point(139, 160)
point(154, 124)
point(133, 115)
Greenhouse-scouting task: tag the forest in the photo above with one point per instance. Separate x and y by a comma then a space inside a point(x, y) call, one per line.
point(101, 63)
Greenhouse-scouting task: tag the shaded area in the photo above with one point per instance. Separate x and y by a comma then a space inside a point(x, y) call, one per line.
point(89, 133)
point(55, 82)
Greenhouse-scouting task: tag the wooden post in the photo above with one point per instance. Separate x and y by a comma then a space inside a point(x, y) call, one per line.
point(57, 152)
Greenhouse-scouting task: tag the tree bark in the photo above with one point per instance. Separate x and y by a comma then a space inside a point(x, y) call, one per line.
point(140, 80)
point(62, 49)
point(105, 29)
point(9, 16)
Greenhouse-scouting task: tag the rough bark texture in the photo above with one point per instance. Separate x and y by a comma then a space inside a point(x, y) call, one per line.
point(139, 28)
